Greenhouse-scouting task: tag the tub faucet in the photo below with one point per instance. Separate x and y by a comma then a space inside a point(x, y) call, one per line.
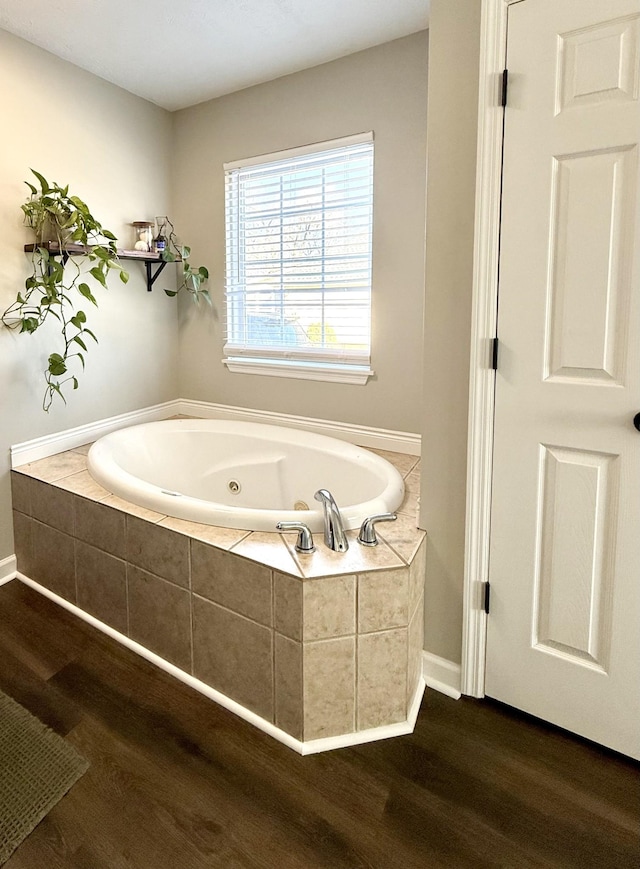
point(334, 536)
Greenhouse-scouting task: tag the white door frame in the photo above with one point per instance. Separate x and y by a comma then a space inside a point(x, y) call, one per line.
point(493, 49)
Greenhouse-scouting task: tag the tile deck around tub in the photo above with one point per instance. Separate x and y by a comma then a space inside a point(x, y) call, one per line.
point(398, 541)
point(319, 645)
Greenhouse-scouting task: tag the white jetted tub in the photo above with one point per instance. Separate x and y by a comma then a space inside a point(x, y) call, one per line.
point(241, 474)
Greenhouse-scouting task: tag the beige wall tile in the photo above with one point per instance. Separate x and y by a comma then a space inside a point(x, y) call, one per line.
point(417, 574)
point(288, 605)
point(101, 582)
point(22, 543)
point(402, 462)
point(52, 505)
point(222, 538)
point(21, 492)
point(234, 655)
point(383, 600)
point(133, 509)
point(160, 616)
point(52, 563)
point(325, 562)
point(403, 536)
point(416, 642)
point(382, 678)
point(329, 607)
point(288, 686)
point(329, 670)
point(411, 495)
point(157, 550)
point(83, 484)
point(232, 581)
point(268, 549)
point(101, 526)
point(55, 467)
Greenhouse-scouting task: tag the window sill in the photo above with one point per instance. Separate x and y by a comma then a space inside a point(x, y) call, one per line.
point(356, 375)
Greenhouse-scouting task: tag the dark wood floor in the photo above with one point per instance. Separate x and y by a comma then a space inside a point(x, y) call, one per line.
point(176, 781)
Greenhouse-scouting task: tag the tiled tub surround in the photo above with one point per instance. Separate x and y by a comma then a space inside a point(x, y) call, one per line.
point(318, 646)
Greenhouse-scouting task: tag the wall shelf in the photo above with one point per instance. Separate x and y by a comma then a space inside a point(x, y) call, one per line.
point(149, 259)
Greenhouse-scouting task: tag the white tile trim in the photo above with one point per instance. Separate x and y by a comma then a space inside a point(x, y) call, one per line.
point(441, 675)
point(8, 569)
point(49, 445)
point(312, 747)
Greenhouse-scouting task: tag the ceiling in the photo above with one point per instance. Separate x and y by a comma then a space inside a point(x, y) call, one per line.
point(176, 53)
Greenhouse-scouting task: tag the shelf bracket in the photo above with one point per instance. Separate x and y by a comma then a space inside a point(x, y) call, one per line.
point(153, 276)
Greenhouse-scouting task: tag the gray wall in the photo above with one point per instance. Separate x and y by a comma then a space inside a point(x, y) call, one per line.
point(451, 144)
point(120, 153)
point(383, 89)
point(114, 151)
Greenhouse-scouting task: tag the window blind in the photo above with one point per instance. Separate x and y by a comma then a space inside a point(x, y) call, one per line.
point(298, 255)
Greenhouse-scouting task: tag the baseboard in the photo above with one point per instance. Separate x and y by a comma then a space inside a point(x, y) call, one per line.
point(8, 567)
point(441, 675)
point(49, 445)
point(58, 442)
point(366, 436)
point(304, 748)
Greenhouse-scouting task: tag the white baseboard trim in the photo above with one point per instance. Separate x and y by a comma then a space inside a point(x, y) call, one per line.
point(312, 747)
point(49, 445)
point(58, 442)
point(366, 436)
point(8, 569)
point(441, 675)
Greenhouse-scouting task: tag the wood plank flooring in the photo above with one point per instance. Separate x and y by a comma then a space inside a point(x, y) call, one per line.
point(177, 782)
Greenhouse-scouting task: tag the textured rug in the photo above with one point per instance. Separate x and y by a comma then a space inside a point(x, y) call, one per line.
point(37, 768)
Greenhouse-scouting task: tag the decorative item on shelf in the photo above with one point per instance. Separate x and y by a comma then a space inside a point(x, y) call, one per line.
point(143, 235)
point(160, 239)
point(74, 236)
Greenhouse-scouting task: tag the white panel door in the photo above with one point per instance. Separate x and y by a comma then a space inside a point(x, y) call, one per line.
point(563, 638)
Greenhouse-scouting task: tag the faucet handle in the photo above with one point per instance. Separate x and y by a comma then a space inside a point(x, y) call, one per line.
point(367, 534)
point(304, 542)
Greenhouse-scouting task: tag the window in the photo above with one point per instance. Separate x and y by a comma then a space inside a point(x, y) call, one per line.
point(298, 269)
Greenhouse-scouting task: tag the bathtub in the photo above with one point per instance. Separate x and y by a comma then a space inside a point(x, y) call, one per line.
point(242, 475)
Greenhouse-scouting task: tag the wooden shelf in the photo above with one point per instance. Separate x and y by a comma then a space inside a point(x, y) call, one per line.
point(148, 258)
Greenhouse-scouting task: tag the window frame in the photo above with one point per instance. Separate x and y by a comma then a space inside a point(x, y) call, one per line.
point(306, 363)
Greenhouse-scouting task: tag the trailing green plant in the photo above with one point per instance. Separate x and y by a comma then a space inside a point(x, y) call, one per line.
point(62, 224)
point(192, 278)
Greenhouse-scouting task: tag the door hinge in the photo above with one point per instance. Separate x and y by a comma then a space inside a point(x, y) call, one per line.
point(486, 596)
point(494, 354)
point(505, 86)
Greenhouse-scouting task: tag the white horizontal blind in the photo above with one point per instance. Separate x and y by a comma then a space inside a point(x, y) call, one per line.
point(298, 267)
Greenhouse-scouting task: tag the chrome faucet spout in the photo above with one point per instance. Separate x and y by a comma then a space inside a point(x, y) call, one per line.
point(334, 535)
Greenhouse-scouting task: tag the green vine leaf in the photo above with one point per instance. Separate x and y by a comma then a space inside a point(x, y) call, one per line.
point(85, 289)
point(192, 279)
point(57, 365)
point(97, 273)
point(50, 290)
point(44, 184)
